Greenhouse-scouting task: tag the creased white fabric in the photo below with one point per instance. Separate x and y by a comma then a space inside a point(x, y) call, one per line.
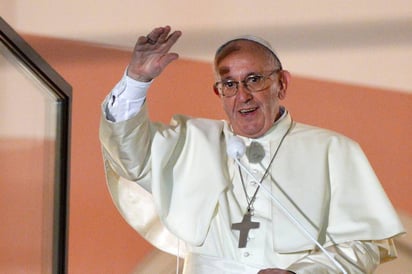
point(322, 177)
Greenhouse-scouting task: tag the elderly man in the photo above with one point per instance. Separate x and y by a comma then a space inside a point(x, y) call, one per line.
point(259, 193)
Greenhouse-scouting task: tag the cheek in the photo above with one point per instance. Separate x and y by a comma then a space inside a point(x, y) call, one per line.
point(270, 105)
point(227, 107)
point(269, 100)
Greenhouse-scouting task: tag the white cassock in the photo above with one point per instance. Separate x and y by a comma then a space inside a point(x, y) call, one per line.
point(176, 182)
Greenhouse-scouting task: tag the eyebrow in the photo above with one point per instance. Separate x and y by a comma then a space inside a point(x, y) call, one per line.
point(224, 70)
point(226, 50)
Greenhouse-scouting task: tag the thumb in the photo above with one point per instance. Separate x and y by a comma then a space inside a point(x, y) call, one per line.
point(167, 59)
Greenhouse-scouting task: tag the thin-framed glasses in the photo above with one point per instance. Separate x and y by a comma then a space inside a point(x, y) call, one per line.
point(253, 83)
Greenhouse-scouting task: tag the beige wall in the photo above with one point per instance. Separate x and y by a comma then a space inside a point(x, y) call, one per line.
point(100, 241)
point(365, 42)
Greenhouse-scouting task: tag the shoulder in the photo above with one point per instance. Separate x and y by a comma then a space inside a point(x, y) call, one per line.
point(196, 121)
point(313, 134)
point(198, 124)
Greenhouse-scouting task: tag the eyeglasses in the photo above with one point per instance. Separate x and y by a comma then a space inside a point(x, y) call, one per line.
point(252, 83)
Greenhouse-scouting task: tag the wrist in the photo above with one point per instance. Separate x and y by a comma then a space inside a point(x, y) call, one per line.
point(138, 77)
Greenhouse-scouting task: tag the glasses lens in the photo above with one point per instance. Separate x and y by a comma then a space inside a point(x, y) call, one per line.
point(228, 88)
point(253, 83)
point(256, 82)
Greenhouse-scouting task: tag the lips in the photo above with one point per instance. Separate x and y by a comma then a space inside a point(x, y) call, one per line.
point(247, 110)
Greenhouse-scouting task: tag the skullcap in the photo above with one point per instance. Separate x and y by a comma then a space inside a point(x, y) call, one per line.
point(252, 38)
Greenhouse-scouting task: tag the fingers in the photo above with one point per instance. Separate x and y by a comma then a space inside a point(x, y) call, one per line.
point(160, 35)
point(151, 53)
point(159, 40)
point(171, 39)
point(167, 59)
point(163, 33)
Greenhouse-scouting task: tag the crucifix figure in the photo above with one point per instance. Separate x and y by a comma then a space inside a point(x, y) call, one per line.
point(244, 226)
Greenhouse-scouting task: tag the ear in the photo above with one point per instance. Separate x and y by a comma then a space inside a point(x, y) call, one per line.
point(216, 90)
point(284, 78)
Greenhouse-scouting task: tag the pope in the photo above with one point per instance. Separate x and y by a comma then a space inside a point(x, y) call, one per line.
point(256, 193)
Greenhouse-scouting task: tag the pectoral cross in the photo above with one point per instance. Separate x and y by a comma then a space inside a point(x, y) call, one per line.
point(244, 228)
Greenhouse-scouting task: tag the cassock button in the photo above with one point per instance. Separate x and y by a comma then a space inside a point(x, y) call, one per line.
point(253, 183)
point(246, 254)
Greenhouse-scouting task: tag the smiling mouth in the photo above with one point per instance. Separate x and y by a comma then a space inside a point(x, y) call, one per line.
point(247, 110)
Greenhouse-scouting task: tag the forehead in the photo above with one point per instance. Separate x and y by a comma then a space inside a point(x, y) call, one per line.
point(242, 51)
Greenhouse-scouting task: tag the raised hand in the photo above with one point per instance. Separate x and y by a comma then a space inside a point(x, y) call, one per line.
point(151, 54)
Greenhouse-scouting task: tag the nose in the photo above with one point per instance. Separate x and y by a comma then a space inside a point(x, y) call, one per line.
point(243, 93)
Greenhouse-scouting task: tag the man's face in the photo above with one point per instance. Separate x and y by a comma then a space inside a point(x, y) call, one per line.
point(250, 114)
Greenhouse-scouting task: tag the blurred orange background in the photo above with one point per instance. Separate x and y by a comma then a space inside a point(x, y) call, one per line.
point(100, 241)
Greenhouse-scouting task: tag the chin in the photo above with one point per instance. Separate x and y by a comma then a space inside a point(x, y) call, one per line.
point(249, 134)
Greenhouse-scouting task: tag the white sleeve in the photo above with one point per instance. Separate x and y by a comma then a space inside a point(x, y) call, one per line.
point(126, 99)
